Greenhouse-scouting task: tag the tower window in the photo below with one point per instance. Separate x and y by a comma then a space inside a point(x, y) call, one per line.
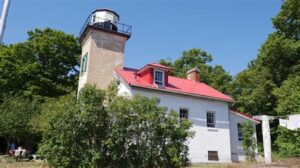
point(183, 113)
point(210, 119)
point(240, 134)
point(83, 65)
point(158, 77)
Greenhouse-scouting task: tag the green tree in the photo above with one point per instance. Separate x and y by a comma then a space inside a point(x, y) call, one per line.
point(15, 116)
point(45, 65)
point(249, 141)
point(252, 90)
point(280, 55)
point(220, 79)
point(287, 20)
point(277, 60)
point(288, 96)
point(215, 76)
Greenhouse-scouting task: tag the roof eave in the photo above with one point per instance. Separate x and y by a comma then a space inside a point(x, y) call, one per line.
point(246, 117)
point(182, 93)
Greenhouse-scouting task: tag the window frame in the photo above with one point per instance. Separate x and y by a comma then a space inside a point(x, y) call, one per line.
point(83, 64)
point(239, 132)
point(163, 77)
point(213, 124)
point(187, 113)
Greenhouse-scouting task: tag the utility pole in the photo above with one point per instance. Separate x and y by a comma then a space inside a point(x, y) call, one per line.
point(3, 19)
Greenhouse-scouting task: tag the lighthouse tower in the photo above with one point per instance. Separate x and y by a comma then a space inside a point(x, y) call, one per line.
point(102, 39)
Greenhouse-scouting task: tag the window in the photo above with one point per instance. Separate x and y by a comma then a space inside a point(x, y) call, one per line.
point(240, 134)
point(183, 113)
point(213, 155)
point(94, 18)
point(158, 77)
point(83, 65)
point(210, 119)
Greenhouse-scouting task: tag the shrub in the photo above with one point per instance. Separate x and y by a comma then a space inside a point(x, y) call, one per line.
point(288, 142)
point(249, 141)
point(103, 130)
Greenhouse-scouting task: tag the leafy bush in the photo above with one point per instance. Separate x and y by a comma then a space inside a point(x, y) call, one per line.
point(249, 141)
point(144, 136)
point(288, 142)
point(103, 130)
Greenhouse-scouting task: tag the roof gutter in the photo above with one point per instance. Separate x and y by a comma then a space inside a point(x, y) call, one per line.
point(182, 93)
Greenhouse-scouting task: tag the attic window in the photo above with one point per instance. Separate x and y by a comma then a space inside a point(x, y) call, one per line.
point(158, 77)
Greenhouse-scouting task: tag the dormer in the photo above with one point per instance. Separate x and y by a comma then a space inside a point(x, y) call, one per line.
point(155, 74)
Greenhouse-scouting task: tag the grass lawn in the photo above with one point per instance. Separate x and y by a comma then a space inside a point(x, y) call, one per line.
point(23, 165)
point(8, 162)
point(281, 163)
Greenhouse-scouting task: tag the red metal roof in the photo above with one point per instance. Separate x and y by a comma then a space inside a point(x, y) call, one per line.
point(245, 115)
point(175, 85)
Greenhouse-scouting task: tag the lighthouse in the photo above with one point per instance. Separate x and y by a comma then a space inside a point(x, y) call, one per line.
point(102, 39)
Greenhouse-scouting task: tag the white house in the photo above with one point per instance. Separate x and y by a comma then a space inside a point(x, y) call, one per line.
point(217, 134)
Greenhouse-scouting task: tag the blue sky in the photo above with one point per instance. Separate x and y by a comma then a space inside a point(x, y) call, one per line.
point(231, 30)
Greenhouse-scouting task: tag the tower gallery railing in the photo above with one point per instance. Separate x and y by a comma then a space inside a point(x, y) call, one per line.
point(106, 24)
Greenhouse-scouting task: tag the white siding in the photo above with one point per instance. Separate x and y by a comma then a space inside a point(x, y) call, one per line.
point(205, 139)
point(124, 89)
point(237, 152)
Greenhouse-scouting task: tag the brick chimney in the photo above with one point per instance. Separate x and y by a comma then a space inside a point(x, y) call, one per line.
point(193, 74)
